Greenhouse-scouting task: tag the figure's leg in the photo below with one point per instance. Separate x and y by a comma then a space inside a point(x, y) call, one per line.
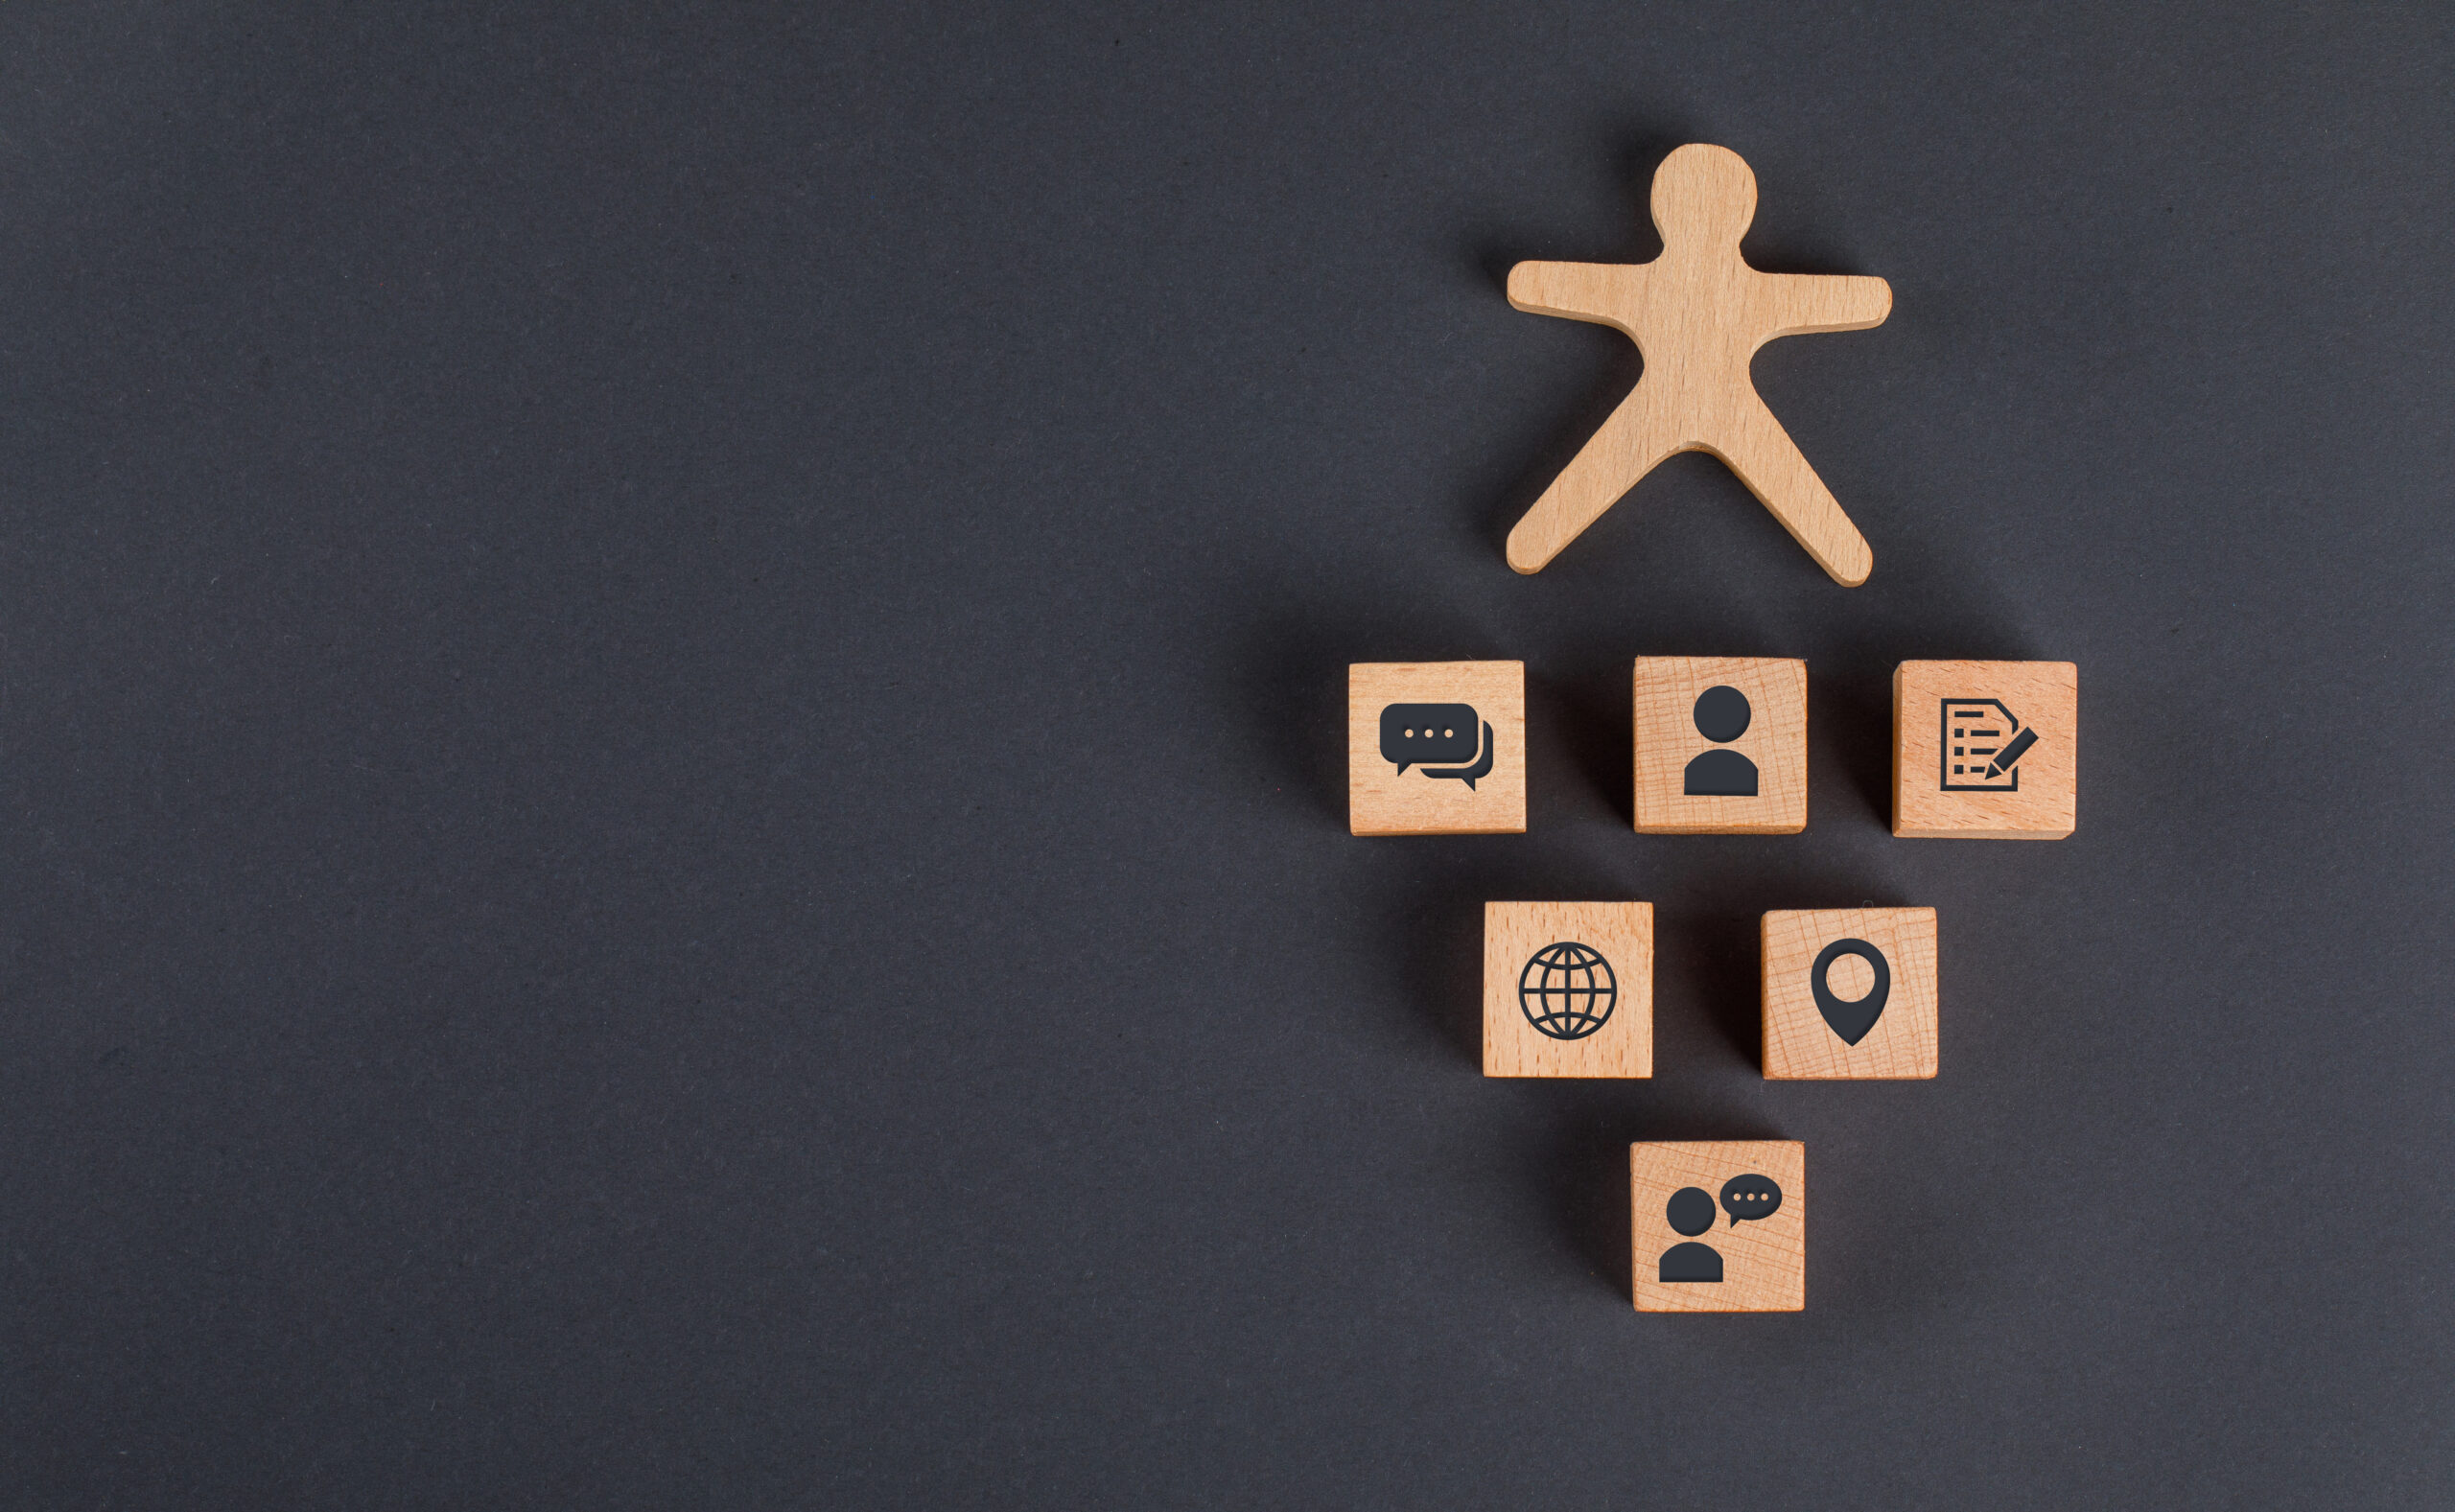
point(1630, 445)
point(1757, 448)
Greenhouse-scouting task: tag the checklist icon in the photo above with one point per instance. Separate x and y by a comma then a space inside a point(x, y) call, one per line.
point(1982, 744)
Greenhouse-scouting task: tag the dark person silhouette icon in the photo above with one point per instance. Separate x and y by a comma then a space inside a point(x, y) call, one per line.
point(1690, 1210)
point(1723, 715)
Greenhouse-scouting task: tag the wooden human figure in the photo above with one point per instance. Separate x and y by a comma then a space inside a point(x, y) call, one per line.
point(1698, 312)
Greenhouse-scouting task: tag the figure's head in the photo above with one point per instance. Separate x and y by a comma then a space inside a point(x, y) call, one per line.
point(1722, 713)
point(1703, 198)
point(1690, 1210)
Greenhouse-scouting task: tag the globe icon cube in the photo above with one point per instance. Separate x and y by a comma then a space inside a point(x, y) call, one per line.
point(1568, 990)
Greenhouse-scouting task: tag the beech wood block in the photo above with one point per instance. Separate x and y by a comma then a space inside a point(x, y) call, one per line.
point(1698, 312)
point(1568, 990)
point(1874, 1018)
point(1436, 748)
point(1985, 750)
point(1718, 1227)
point(1721, 745)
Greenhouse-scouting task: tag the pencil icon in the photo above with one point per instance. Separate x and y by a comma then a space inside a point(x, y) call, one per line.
point(2012, 752)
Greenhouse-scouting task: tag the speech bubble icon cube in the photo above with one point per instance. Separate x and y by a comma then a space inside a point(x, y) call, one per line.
point(1718, 1226)
point(1437, 748)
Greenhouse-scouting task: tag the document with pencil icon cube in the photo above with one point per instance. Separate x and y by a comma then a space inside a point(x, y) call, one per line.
point(1985, 750)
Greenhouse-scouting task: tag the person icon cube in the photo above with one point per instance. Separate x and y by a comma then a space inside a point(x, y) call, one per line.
point(1718, 1226)
point(1721, 745)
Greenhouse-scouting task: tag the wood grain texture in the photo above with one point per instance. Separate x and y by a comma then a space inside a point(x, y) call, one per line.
point(1384, 801)
point(1799, 1045)
point(1763, 1260)
point(1622, 932)
point(1667, 739)
point(1698, 312)
point(2042, 696)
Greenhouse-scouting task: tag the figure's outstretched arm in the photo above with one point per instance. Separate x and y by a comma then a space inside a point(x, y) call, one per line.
point(1636, 437)
point(1756, 447)
point(1807, 302)
point(1576, 291)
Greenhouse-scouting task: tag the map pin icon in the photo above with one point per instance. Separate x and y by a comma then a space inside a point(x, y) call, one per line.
point(1851, 1020)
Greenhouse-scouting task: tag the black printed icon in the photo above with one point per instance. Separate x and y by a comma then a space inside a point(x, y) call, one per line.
point(1751, 1197)
point(1690, 1212)
point(1417, 733)
point(1850, 1020)
point(1723, 715)
point(1983, 742)
point(1567, 990)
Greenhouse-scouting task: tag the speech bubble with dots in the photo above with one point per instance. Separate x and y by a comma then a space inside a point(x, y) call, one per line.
point(1751, 1198)
point(1414, 733)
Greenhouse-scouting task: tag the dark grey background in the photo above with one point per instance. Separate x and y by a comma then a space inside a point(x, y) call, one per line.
point(672, 822)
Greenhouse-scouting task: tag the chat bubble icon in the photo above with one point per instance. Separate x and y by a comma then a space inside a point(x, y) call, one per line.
point(1750, 1198)
point(1413, 732)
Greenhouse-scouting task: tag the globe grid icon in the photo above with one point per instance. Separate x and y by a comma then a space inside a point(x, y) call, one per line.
point(1568, 990)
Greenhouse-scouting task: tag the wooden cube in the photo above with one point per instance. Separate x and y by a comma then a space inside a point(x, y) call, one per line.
point(1721, 745)
point(1719, 1227)
point(1568, 990)
point(1850, 994)
point(1436, 748)
point(1985, 750)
